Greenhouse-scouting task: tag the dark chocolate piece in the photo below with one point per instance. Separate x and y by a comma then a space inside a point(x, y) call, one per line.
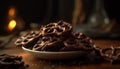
point(60, 28)
point(11, 62)
point(48, 44)
point(111, 54)
point(78, 41)
point(28, 39)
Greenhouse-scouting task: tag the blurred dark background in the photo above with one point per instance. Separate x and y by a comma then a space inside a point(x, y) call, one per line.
point(38, 11)
point(45, 11)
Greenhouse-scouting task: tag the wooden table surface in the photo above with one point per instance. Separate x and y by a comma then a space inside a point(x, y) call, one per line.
point(37, 63)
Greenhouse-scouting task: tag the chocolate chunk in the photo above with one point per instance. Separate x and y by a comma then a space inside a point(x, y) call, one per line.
point(11, 62)
point(111, 54)
point(48, 44)
point(59, 29)
point(77, 42)
point(28, 39)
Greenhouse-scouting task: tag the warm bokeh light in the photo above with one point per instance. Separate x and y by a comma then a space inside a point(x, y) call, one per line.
point(12, 25)
point(11, 12)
